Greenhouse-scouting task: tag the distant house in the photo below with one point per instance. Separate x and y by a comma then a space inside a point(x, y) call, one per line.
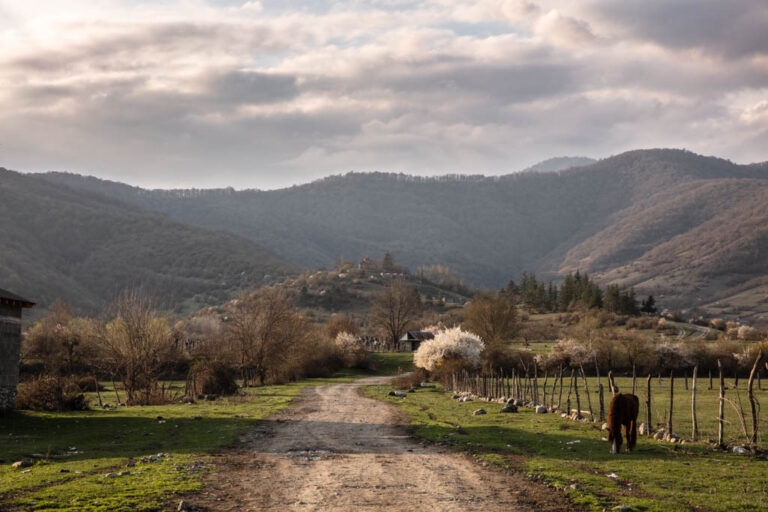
point(10, 346)
point(411, 340)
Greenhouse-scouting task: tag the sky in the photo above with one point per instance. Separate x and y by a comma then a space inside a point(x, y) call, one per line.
point(266, 94)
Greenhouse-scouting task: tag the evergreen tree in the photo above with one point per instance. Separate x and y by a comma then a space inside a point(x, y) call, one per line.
point(649, 305)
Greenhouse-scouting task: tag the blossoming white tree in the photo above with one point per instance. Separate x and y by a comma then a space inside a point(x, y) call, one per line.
point(449, 345)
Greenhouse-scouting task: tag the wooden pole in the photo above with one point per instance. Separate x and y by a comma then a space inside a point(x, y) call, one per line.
point(602, 402)
point(586, 390)
point(694, 423)
point(535, 383)
point(576, 391)
point(671, 400)
point(648, 404)
point(544, 387)
point(721, 408)
point(560, 395)
point(612, 383)
point(752, 402)
point(570, 389)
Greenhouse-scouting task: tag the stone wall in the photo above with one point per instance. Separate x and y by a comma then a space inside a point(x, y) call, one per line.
point(10, 345)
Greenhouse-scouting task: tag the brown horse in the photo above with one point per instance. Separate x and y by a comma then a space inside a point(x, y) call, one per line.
point(623, 411)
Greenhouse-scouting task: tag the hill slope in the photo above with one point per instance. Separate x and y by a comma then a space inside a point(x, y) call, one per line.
point(61, 242)
point(673, 223)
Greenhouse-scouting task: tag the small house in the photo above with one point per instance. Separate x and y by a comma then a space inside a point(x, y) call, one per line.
point(10, 346)
point(411, 340)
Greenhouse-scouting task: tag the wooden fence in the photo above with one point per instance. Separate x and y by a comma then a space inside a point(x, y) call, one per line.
point(567, 390)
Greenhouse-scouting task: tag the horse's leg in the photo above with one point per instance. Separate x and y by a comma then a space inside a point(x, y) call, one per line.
point(632, 435)
point(614, 444)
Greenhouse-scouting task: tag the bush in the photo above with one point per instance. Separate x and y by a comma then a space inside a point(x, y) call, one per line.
point(48, 393)
point(351, 350)
point(450, 345)
point(717, 323)
point(212, 378)
point(747, 333)
point(642, 322)
point(411, 380)
point(89, 384)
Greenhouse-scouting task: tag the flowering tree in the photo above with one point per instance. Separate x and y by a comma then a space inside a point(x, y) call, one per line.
point(449, 345)
point(351, 349)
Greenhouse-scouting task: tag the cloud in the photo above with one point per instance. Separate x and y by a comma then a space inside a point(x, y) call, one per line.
point(276, 92)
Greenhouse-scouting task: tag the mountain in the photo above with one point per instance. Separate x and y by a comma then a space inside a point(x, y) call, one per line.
point(560, 163)
point(685, 227)
point(83, 247)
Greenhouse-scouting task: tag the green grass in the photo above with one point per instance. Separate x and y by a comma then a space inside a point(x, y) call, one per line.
point(658, 476)
point(77, 449)
point(391, 363)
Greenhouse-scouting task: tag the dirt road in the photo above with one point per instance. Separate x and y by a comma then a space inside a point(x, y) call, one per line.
point(339, 451)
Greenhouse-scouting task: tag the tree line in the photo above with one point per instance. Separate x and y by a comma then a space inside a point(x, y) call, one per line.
point(577, 291)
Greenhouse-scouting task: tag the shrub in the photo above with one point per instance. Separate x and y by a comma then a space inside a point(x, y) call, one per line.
point(410, 380)
point(212, 378)
point(747, 333)
point(49, 393)
point(89, 384)
point(351, 350)
point(455, 345)
point(717, 323)
point(641, 322)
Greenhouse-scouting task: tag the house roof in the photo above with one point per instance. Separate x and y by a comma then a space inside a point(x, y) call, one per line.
point(7, 297)
point(417, 335)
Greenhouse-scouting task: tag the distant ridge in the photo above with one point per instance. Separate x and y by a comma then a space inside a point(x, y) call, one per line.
point(691, 229)
point(560, 163)
point(86, 248)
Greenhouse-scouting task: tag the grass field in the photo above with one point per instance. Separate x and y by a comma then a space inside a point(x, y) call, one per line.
point(658, 476)
point(73, 452)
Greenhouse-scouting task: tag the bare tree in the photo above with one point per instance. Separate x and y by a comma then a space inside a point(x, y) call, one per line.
point(394, 309)
point(261, 329)
point(137, 341)
point(492, 316)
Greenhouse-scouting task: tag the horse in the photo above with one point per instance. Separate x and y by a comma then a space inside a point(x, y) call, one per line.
point(623, 411)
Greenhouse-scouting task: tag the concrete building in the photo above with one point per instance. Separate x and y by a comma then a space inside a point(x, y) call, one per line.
point(10, 345)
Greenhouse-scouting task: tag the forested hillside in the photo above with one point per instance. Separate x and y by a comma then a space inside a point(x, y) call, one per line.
point(61, 242)
point(685, 227)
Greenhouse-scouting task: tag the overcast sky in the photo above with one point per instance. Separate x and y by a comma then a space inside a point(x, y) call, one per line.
point(195, 93)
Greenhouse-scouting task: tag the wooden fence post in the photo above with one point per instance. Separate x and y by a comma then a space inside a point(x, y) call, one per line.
point(602, 403)
point(721, 408)
point(648, 404)
point(671, 400)
point(694, 423)
point(752, 402)
point(535, 383)
point(612, 383)
point(576, 390)
point(586, 390)
point(544, 387)
point(570, 389)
